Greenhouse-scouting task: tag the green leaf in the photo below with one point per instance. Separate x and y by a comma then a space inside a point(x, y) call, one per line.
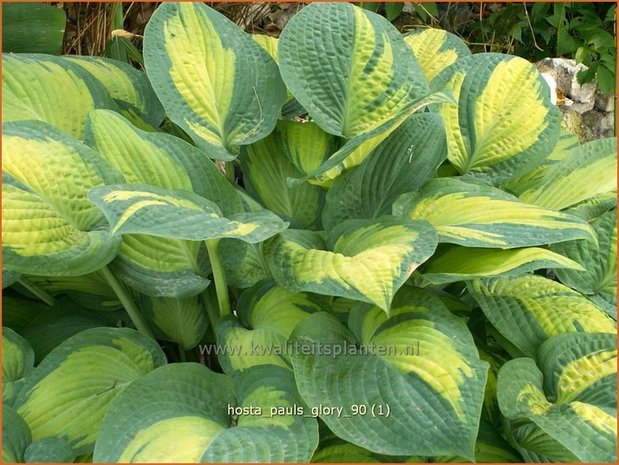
point(328, 54)
point(91, 291)
point(213, 80)
point(32, 28)
point(40, 87)
point(129, 87)
point(476, 215)
point(530, 309)
point(49, 225)
point(183, 321)
point(402, 163)
point(268, 163)
point(435, 49)
point(393, 10)
point(420, 363)
point(267, 315)
point(243, 262)
point(64, 319)
point(565, 399)
point(70, 391)
point(585, 172)
point(599, 273)
point(464, 263)
point(160, 266)
point(48, 450)
point(366, 260)
point(17, 361)
point(15, 436)
point(504, 123)
point(152, 211)
point(181, 413)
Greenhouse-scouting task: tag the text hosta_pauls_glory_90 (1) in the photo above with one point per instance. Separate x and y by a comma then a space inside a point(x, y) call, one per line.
point(383, 191)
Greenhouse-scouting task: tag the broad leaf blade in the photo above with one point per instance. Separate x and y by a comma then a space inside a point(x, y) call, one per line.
point(213, 80)
point(39, 87)
point(504, 123)
point(434, 392)
point(328, 54)
point(129, 87)
point(49, 227)
point(32, 28)
point(435, 49)
point(144, 424)
point(366, 260)
point(90, 369)
point(476, 215)
point(585, 172)
point(402, 163)
point(530, 309)
point(152, 211)
point(464, 263)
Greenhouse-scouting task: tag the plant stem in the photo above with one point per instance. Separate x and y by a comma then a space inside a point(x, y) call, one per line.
point(125, 299)
point(230, 171)
point(210, 304)
point(219, 276)
point(181, 353)
point(37, 291)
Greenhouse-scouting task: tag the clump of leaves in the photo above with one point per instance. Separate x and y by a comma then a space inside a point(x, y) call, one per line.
point(409, 262)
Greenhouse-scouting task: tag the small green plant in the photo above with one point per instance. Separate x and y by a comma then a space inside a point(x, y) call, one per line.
point(344, 244)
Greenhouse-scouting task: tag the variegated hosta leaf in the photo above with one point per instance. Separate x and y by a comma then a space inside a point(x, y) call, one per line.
point(421, 364)
point(571, 397)
point(50, 89)
point(183, 321)
point(267, 166)
point(366, 260)
point(129, 88)
point(585, 172)
point(490, 447)
point(530, 309)
point(49, 227)
point(476, 215)
point(242, 261)
point(70, 391)
point(504, 123)
point(269, 44)
point(17, 361)
point(352, 72)
point(594, 207)
point(15, 436)
point(181, 413)
point(91, 291)
point(402, 163)
point(435, 49)
point(160, 266)
point(566, 143)
point(267, 315)
point(463, 263)
point(152, 211)
point(305, 144)
point(213, 80)
point(598, 278)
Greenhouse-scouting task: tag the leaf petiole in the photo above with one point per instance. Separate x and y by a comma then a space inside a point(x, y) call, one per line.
point(127, 302)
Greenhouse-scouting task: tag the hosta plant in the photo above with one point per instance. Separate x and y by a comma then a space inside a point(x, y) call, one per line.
point(344, 244)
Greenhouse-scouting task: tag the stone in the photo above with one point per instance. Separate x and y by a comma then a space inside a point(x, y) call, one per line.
point(586, 112)
point(604, 102)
